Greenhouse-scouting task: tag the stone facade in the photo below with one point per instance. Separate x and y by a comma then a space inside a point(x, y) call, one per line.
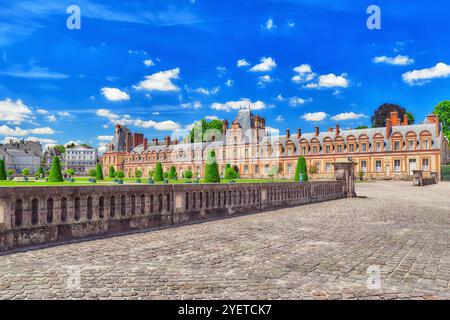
point(21, 155)
point(81, 159)
point(31, 216)
point(392, 152)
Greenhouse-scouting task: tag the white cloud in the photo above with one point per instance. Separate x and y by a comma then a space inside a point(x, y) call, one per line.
point(14, 111)
point(41, 140)
point(229, 83)
point(266, 65)
point(33, 71)
point(115, 118)
point(207, 91)
point(51, 118)
point(114, 94)
point(296, 101)
point(269, 25)
point(242, 63)
point(398, 60)
point(160, 81)
point(148, 62)
point(330, 81)
point(221, 71)
point(279, 98)
point(263, 80)
point(315, 116)
point(192, 105)
point(422, 76)
point(102, 147)
point(304, 74)
point(291, 24)
point(42, 111)
point(63, 114)
point(304, 68)
point(8, 131)
point(279, 118)
point(209, 118)
point(156, 113)
point(236, 105)
point(348, 116)
point(105, 138)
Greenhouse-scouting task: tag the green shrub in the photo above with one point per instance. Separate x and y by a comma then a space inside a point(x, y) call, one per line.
point(188, 174)
point(158, 172)
point(211, 168)
point(2, 170)
point(173, 173)
point(120, 174)
point(166, 175)
point(112, 172)
point(99, 172)
point(40, 172)
point(137, 173)
point(151, 173)
point(93, 173)
point(301, 169)
point(70, 172)
point(25, 172)
point(55, 171)
point(230, 173)
point(11, 172)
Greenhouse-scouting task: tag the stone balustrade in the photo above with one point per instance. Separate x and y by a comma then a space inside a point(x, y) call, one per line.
point(43, 215)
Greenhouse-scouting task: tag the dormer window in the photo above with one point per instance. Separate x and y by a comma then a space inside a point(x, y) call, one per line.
point(378, 146)
point(363, 147)
point(315, 150)
point(327, 149)
point(351, 148)
point(425, 144)
point(339, 148)
point(396, 145)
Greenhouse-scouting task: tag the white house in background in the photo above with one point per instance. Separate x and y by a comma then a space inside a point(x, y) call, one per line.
point(21, 155)
point(81, 159)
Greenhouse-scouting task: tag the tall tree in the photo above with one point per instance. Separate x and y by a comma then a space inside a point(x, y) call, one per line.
point(383, 112)
point(442, 110)
point(55, 171)
point(159, 175)
point(301, 170)
point(211, 168)
point(99, 172)
point(2, 170)
point(112, 172)
point(200, 130)
point(173, 173)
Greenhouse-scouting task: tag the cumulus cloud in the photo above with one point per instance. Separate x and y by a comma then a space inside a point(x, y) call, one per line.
point(330, 81)
point(105, 138)
point(296, 101)
point(242, 63)
point(205, 91)
point(263, 80)
point(314, 116)
point(236, 105)
point(229, 83)
point(398, 60)
point(115, 118)
point(14, 111)
point(192, 105)
point(270, 24)
point(422, 76)
point(348, 116)
point(114, 94)
point(64, 114)
point(160, 81)
point(279, 118)
point(8, 131)
point(266, 65)
point(148, 62)
point(42, 111)
point(304, 74)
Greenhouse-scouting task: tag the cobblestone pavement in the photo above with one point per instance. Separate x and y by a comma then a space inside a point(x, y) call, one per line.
point(319, 251)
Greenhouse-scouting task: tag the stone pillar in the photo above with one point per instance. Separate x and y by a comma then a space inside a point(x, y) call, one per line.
point(345, 172)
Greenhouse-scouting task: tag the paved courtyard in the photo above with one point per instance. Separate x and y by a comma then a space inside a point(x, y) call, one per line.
point(393, 242)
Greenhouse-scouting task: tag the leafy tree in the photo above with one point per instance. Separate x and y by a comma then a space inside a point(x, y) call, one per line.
point(25, 172)
point(166, 175)
point(442, 110)
point(10, 172)
point(60, 148)
point(188, 174)
point(173, 173)
point(40, 172)
point(158, 172)
point(411, 118)
point(99, 172)
point(383, 112)
point(201, 127)
point(55, 171)
point(151, 173)
point(313, 169)
point(211, 168)
point(361, 127)
point(137, 173)
point(120, 174)
point(70, 172)
point(112, 172)
point(93, 173)
point(230, 173)
point(70, 145)
point(301, 169)
point(2, 170)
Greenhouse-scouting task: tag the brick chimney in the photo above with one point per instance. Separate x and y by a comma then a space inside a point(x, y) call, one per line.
point(175, 141)
point(434, 119)
point(155, 140)
point(330, 129)
point(337, 129)
point(288, 133)
point(145, 144)
point(129, 142)
point(405, 120)
point(167, 140)
point(316, 131)
point(225, 126)
point(299, 133)
point(394, 118)
point(388, 128)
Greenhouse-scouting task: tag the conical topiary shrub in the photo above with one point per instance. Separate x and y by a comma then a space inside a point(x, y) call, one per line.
point(99, 172)
point(55, 171)
point(112, 172)
point(211, 168)
point(301, 169)
point(173, 173)
point(158, 176)
point(2, 170)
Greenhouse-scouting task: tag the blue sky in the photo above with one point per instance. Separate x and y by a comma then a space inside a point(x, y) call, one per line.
point(158, 66)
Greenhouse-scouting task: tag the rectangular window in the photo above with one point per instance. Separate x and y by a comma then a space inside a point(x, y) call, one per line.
point(378, 165)
point(425, 165)
point(303, 150)
point(410, 144)
point(246, 169)
point(397, 167)
point(339, 148)
point(378, 146)
point(317, 165)
point(256, 169)
point(266, 168)
point(327, 149)
point(328, 167)
point(363, 147)
point(397, 145)
point(425, 144)
point(246, 153)
point(314, 149)
point(364, 165)
point(235, 154)
point(351, 148)
point(224, 154)
point(289, 168)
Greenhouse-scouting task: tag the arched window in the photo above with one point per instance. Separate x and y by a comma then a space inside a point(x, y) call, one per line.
point(34, 211)
point(122, 206)
point(112, 206)
point(143, 204)
point(49, 210)
point(168, 204)
point(133, 205)
point(77, 212)
point(63, 209)
point(101, 207)
point(160, 203)
point(89, 207)
point(186, 201)
point(152, 201)
point(194, 200)
point(18, 212)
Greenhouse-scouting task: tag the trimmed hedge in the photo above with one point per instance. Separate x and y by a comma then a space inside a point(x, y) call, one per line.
point(211, 168)
point(55, 171)
point(159, 175)
point(301, 169)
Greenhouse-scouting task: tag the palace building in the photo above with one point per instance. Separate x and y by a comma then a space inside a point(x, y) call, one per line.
point(391, 152)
